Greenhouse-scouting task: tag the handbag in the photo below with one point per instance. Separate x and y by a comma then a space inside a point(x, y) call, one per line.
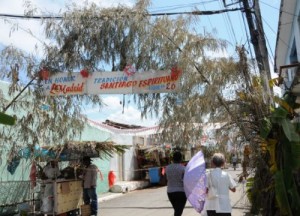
point(212, 191)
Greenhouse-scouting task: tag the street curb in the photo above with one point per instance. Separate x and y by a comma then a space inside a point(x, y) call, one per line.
point(109, 197)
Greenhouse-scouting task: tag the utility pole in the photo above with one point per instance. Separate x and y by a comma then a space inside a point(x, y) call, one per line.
point(255, 26)
point(258, 41)
point(262, 40)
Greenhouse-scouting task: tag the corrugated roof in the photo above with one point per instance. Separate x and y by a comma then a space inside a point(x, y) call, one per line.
point(120, 125)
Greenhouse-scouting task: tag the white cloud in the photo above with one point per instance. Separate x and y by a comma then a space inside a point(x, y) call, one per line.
point(113, 110)
point(218, 54)
point(27, 34)
point(113, 102)
point(24, 34)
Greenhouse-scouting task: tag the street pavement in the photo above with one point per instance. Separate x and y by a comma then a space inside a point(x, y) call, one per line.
point(154, 201)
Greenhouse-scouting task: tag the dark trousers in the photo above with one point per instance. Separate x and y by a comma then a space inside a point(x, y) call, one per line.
point(90, 197)
point(178, 200)
point(213, 213)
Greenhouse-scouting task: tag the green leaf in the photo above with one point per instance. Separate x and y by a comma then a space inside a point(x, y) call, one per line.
point(290, 131)
point(295, 148)
point(281, 194)
point(265, 128)
point(295, 198)
point(280, 113)
point(7, 119)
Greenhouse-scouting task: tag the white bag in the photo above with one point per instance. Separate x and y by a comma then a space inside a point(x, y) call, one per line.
point(212, 191)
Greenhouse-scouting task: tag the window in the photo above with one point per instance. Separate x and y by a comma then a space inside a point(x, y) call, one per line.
point(293, 54)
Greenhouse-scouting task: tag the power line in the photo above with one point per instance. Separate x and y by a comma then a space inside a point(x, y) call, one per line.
point(208, 17)
point(29, 17)
point(197, 13)
point(229, 23)
point(249, 45)
point(278, 9)
point(242, 25)
point(212, 12)
point(179, 6)
point(267, 37)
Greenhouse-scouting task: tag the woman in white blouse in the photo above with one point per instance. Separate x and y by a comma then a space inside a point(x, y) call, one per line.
point(222, 183)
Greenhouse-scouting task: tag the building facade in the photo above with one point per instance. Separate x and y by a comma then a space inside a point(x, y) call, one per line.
point(287, 53)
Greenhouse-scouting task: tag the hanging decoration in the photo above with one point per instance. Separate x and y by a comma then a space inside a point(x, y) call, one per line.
point(175, 72)
point(13, 164)
point(44, 74)
point(129, 70)
point(84, 73)
point(33, 174)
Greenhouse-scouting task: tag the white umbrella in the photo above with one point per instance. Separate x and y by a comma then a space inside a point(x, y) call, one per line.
point(195, 181)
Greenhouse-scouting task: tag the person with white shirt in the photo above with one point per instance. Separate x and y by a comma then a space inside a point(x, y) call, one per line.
point(223, 183)
point(50, 173)
point(90, 184)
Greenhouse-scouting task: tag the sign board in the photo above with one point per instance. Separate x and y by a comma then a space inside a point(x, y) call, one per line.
point(111, 83)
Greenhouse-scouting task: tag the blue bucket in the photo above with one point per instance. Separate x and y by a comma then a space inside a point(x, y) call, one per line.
point(154, 175)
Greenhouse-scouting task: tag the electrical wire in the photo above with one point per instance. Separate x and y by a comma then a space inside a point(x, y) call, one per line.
point(228, 26)
point(196, 13)
point(179, 6)
point(208, 18)
point(279, 38)
point(292, 14)
point(268, 39)
point(249, 46)
point(242, 25)
point(262, 32)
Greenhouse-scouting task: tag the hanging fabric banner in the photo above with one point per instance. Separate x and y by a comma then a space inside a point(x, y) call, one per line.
point(111, 83)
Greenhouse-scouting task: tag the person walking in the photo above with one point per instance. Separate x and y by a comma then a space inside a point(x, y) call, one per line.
point(218, 185)
point(234, 161)
point(89, 184)
point(175, 190)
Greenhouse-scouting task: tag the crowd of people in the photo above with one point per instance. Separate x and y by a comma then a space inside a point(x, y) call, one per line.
point(218, 182)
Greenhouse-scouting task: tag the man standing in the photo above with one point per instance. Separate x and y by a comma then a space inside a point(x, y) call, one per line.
point(90, 184)
point(234, 161)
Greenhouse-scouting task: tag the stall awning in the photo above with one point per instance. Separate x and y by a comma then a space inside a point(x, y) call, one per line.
point(73, 150)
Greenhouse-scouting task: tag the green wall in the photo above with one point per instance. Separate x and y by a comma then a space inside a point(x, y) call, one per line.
point(89, 133)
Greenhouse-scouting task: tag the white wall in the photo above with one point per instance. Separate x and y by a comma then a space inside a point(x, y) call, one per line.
point(124, 166)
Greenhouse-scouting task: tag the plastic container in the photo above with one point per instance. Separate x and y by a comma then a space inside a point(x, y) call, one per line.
point(111, 178)
point(154, 175)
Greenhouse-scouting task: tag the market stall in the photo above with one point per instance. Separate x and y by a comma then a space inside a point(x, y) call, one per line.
point(151, 162)
point(67, 197)
point(56, 186)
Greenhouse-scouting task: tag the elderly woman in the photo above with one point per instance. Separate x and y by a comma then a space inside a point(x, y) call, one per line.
point(221, 182)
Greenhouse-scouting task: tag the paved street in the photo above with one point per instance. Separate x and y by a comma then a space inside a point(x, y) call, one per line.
point(154, 201)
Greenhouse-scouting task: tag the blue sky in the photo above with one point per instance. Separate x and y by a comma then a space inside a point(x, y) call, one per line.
point(28, 35)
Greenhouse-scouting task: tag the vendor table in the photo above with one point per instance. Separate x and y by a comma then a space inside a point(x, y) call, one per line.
point(67, 196)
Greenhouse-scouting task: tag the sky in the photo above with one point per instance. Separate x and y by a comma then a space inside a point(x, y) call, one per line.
point(28, 35)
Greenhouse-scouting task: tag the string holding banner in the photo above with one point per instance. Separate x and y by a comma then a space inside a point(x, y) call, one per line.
point(111, 83)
